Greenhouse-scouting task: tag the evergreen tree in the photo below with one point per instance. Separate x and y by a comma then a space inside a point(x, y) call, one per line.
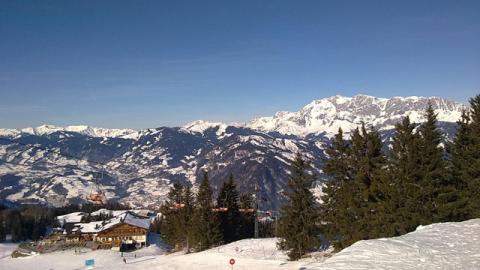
point(246, 200)
point(435, 186)
point(15, 225)
point(464, 157)
point(157, 225)
point(2, 227)
point(337, 199)
point(404, 160)
point(247, 217)
point(298, 229)
point(172, 226)
point(187, 213)
point(472, 172)
point(372, 187)
point(358, 198)
point(206, 223)
point(230, 219)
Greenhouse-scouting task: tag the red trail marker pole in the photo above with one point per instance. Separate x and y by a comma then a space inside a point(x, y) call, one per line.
point(232, 262)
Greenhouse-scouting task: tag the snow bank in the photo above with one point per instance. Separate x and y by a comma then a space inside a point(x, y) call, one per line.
point(6, 249)
point(437, 246)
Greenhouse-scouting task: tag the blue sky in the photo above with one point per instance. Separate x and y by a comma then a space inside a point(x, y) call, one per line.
point(141, 64)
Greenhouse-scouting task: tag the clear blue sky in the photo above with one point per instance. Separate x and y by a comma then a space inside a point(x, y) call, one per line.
point(141, 64)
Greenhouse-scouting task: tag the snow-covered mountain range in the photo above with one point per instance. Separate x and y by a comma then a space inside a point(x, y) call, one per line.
point(139, 166)
point(84, 130)
point(329, 114)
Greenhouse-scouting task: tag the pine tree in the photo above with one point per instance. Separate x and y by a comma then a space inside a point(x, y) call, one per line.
point(372, 187)
point(157, 225)
point(206, 223)
point(247, 217)
point(359, 201)
point(298, 229)
point(464, 157)
point(435, 186)
point(246, 200)
point(2, 227)
point(230, 219)
point(337, 199)
point(472, 172)
point(15, 226)
point(404, 160)
point(172, 226)
point(186, 215)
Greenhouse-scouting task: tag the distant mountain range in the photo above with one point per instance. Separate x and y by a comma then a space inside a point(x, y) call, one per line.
point(139, 166)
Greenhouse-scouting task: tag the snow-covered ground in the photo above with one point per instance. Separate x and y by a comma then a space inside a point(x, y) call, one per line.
point(437, 246)
point(6, 249)
point(453, 245)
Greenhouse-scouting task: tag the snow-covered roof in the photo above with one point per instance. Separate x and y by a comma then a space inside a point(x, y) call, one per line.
point(136, 221)
point(126, 217)
point(104, 211)
point(90, 227)
point(116, 213)
point(70, 218)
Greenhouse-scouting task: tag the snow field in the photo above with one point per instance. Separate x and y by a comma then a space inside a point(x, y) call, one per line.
point(436, 246)
point(453, 245)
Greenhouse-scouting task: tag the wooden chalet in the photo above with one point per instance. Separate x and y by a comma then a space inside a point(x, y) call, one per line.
point(127, 231)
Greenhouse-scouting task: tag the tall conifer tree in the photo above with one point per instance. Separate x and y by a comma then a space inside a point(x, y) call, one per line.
point(172, 229)
point(464, 156)
point(187, 215)
point(374, 211)
point(404, 161)
point(298, 230)
point(338, 202)
point(432, 167)
point(206, 222)
point(230, 219)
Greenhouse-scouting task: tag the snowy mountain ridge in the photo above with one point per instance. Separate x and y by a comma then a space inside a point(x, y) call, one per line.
point(329, 114)
point(322, 116)
point(81, 129)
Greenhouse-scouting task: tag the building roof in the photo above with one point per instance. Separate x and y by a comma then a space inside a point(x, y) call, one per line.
point(70, 218)
point(124, 218)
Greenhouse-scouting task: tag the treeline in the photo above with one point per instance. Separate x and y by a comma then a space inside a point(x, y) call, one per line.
point(89, 208)
point(25, 223)
point(194, 223)
point(32, 222)
point(372, 192)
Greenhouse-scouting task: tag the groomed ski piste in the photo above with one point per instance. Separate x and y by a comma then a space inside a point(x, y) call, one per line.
point(437, 246)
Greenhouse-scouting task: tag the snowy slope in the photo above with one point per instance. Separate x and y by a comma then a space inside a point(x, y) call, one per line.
point(6, 249)
point(437, 246)
point(248, 254)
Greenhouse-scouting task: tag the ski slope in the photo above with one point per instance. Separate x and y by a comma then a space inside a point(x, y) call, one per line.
point(453, 245)
point(437, 246)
